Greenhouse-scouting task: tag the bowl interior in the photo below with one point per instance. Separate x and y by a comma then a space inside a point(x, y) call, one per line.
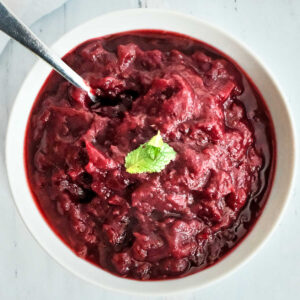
point(151, 19)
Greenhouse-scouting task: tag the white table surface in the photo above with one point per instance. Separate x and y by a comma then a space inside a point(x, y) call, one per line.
point(271, 28)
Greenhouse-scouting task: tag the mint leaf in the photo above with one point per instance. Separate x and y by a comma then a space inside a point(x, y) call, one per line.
point(156, 141)
point(150, 157)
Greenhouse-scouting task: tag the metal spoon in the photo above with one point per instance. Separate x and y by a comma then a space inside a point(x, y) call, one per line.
point(17, 30)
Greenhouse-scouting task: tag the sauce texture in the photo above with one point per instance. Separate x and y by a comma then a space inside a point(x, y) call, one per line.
point(159, 225)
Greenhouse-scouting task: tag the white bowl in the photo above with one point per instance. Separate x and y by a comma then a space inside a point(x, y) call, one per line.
point(152, 19)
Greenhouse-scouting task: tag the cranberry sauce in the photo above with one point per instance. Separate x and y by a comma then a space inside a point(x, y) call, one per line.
point(159, 225)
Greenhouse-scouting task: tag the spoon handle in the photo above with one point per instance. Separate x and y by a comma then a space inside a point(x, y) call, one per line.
point(17, 30)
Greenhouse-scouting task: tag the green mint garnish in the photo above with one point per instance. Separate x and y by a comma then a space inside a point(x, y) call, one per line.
point(150, 157)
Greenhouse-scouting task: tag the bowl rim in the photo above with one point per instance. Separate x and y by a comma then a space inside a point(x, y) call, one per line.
point(146, 287)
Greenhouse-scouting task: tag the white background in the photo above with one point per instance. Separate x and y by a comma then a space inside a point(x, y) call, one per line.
point(271, 28)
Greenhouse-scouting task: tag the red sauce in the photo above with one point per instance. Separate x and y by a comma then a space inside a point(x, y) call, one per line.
point(160, 225)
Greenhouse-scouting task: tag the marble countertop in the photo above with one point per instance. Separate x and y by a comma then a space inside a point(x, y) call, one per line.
point(271, 28)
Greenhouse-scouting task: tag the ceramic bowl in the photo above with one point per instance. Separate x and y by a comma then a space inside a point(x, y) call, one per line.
point(152, 19)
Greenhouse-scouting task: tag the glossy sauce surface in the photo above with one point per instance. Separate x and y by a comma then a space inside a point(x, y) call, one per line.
point(161, 225)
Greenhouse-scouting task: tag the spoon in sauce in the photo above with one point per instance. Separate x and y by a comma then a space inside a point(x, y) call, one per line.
point(17, 30)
